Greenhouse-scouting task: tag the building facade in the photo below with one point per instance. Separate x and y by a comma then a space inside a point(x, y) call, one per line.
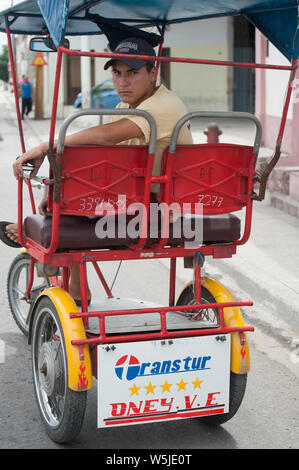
point(271, 86)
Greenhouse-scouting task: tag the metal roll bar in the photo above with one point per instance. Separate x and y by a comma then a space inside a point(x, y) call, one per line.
point(109, 112)
point(220, 114)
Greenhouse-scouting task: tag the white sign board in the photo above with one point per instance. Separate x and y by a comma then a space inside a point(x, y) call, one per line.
point(144, 382)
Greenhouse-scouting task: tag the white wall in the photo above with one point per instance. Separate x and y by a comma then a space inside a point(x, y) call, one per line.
point(49, 78)
point(198, 33)
point(202, 87)
point(98, 44)
point(276, 84)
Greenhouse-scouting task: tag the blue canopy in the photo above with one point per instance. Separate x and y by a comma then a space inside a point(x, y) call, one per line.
point(276, 19)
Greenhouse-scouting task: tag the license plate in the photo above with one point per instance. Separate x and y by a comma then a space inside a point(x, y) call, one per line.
point(144, 382)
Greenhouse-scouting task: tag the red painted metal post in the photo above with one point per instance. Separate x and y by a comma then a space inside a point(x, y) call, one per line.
point(163, 323)
point(172, 277)
point(287, 102)
point(55, 96)
point(263, 178)
point(110, 55)
point(16, 95)
point(102, 279)
point(83, 289)
point(20, 213)
point(15, 89)
point(159, 54)
point(31, 278)
point(56, 205)
point(145, 214)
point(197, 279)
point(28, 182)
point(65, 278)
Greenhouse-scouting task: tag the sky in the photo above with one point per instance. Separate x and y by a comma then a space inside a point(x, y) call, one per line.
point(3, 5)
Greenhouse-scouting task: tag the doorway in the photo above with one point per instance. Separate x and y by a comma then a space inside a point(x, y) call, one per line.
point(243, 78)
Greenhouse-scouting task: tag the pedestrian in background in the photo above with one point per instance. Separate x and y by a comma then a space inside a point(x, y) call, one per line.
point(25, 88)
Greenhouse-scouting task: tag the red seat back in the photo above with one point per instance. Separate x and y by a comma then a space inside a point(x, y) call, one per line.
point(98, 177)
point(219, 176)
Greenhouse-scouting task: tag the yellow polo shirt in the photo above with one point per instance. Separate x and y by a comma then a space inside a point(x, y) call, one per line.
point(166, 108)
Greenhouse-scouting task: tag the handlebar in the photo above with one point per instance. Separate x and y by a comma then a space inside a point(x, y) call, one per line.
point(40, 181)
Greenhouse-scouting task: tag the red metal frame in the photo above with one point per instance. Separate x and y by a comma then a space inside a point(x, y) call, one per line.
point(164, 333)
point(109, 55)
point(49, 256)
point(21, 134)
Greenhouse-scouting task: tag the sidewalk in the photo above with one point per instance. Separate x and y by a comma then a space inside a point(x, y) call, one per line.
point(265, 269)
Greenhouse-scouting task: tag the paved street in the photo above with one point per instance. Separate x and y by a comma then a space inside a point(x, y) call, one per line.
point(269, 414)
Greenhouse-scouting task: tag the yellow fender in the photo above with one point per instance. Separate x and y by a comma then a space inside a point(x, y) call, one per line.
point(78, 358)
point(240, 359)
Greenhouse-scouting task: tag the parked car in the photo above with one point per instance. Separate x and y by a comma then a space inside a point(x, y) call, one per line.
point(103, 95)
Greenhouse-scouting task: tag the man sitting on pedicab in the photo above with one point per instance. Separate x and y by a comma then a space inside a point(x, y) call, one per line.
point(135, 82)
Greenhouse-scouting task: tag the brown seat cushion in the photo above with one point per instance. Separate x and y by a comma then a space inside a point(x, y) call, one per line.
point(78, 233)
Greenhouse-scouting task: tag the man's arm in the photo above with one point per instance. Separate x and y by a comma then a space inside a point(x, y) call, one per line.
point(108, 134)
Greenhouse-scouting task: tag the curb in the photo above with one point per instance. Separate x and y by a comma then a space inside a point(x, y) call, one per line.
point(283, 308)
point(280, 319)
point(285, 203)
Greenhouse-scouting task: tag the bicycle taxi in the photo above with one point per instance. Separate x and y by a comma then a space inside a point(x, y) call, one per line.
point(152, 363)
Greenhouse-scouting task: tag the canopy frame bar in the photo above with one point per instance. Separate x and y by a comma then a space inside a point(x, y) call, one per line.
point(109, 55)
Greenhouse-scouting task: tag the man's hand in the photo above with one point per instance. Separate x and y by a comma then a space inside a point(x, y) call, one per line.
point(108, 134)
point(42, 208)
point(34, 156)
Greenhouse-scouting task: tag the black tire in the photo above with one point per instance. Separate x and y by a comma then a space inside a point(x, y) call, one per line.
point(187, 297)
point(236, 393)
point(62, 409)
point(17, 281)
point(237, 381)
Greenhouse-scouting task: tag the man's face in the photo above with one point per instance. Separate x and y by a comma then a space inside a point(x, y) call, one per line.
point(133, 86)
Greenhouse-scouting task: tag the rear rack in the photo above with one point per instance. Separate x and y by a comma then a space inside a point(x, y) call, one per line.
point(164, 333)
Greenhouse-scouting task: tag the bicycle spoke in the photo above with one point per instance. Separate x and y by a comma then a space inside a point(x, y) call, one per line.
point(18, 291)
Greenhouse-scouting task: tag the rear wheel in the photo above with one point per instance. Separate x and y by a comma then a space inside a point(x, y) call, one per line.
point(237, 381)
point(17, 282)
point(237, 389)
point(208, 314)
point(62, 409)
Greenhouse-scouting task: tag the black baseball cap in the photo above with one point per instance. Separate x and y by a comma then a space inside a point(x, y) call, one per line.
point(136, 46)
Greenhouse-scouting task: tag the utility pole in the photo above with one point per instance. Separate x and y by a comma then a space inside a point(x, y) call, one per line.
point(39, 63)
point(39, 93)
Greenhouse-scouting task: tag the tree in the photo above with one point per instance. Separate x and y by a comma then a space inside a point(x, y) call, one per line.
point(4, 59)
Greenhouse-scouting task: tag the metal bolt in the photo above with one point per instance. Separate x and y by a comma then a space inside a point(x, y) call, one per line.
point(220, 338)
